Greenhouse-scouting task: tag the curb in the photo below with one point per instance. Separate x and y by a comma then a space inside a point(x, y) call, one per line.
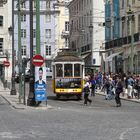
point(121, 98)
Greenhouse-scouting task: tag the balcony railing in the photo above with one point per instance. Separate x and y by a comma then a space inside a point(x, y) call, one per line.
point(122, 41)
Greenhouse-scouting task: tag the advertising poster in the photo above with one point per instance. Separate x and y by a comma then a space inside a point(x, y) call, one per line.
point(40, 84)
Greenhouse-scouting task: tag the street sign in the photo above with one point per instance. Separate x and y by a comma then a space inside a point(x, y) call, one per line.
point(37, 60)
point(6, 63)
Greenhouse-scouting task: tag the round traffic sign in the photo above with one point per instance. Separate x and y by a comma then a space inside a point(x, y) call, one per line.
point(6, 63)
point(38, 60)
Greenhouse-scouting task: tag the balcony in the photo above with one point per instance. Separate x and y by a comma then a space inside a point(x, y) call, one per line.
point(121, 41)
point(65, 34)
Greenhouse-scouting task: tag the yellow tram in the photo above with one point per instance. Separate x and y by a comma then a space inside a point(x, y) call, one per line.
point(68, 74)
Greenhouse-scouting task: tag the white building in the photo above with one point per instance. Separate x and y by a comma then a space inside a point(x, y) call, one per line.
point(87, 31)
point(5, 39)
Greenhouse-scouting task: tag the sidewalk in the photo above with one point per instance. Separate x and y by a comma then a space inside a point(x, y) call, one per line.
point(123, 97)
point(13, 100)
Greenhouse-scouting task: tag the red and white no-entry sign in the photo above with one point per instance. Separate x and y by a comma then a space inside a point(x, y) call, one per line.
point(6, 63)
point(37, 60)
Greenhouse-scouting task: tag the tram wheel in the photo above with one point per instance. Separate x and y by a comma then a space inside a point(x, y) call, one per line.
point(58, 96)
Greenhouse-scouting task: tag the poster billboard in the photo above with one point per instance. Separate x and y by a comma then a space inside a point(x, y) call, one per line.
point(40, 84)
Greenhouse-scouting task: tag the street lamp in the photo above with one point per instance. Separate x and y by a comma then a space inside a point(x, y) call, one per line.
point(131, 18)
point(31, 96)
point(91, 36)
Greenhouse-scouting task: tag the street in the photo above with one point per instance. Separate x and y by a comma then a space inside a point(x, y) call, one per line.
point(71, 120)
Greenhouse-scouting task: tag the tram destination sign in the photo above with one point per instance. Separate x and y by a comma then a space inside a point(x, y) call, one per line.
point(37, 60)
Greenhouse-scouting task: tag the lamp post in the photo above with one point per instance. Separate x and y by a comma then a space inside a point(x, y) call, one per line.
point(13, 89)
point(131, 18)
point(91, 36)
point(31, 96)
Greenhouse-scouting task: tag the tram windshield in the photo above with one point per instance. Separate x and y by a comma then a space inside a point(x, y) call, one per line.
point(68, 70)
point(68, 83)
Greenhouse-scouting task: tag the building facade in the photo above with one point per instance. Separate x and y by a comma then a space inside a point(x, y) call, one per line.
point(122, 51)
point(53, 21)
point(87, 31)
point(5, 39)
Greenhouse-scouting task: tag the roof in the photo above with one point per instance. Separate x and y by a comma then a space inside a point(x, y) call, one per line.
point(67, 55)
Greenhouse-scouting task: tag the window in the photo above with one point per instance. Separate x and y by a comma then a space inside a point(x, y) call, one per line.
point(23, 5)
point(23, 50)
point(34, 49)
point(48, 5)
point(128, 27)
point(23, 18)
point(1, 44)
point(68, 70)
point(122, 4)
point(1, 20)
point(48, 50)
point(34, 33)
point(77, 70)
point(138, 23)
point(128, 3)
point(66, 42)
point(23, 33)
point(48, 33)
point(133, 1)
point(66, 26)
point(34, 3)
point(59, 70)
point(48, 18)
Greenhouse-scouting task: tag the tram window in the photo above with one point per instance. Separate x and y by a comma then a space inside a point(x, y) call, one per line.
point(68, 70)
point(77, 70)
point(59, 72)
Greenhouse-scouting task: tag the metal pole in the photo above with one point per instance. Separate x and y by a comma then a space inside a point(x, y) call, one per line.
point(37, 26)
point(31, 96)
point(132, 43)
point(13, 89)
point(19, 51)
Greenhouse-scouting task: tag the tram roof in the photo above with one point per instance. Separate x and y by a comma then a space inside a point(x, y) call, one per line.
point(67, 55)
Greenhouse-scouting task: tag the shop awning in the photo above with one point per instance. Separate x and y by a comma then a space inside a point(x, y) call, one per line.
point(109, 58)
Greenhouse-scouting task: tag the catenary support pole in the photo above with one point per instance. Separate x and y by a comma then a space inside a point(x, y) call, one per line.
point(13, 89)
point(31, 96)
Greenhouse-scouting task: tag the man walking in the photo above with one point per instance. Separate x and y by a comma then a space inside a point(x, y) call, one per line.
point(86, 92)
point(119, 89)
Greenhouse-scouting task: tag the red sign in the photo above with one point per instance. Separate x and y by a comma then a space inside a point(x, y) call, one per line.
point(6, 63)
point(37, 60)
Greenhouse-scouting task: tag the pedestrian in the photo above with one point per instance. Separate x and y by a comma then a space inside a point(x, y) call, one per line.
point(130, 83)
point(86, 92)
point(119, 89)
point(93, 85)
